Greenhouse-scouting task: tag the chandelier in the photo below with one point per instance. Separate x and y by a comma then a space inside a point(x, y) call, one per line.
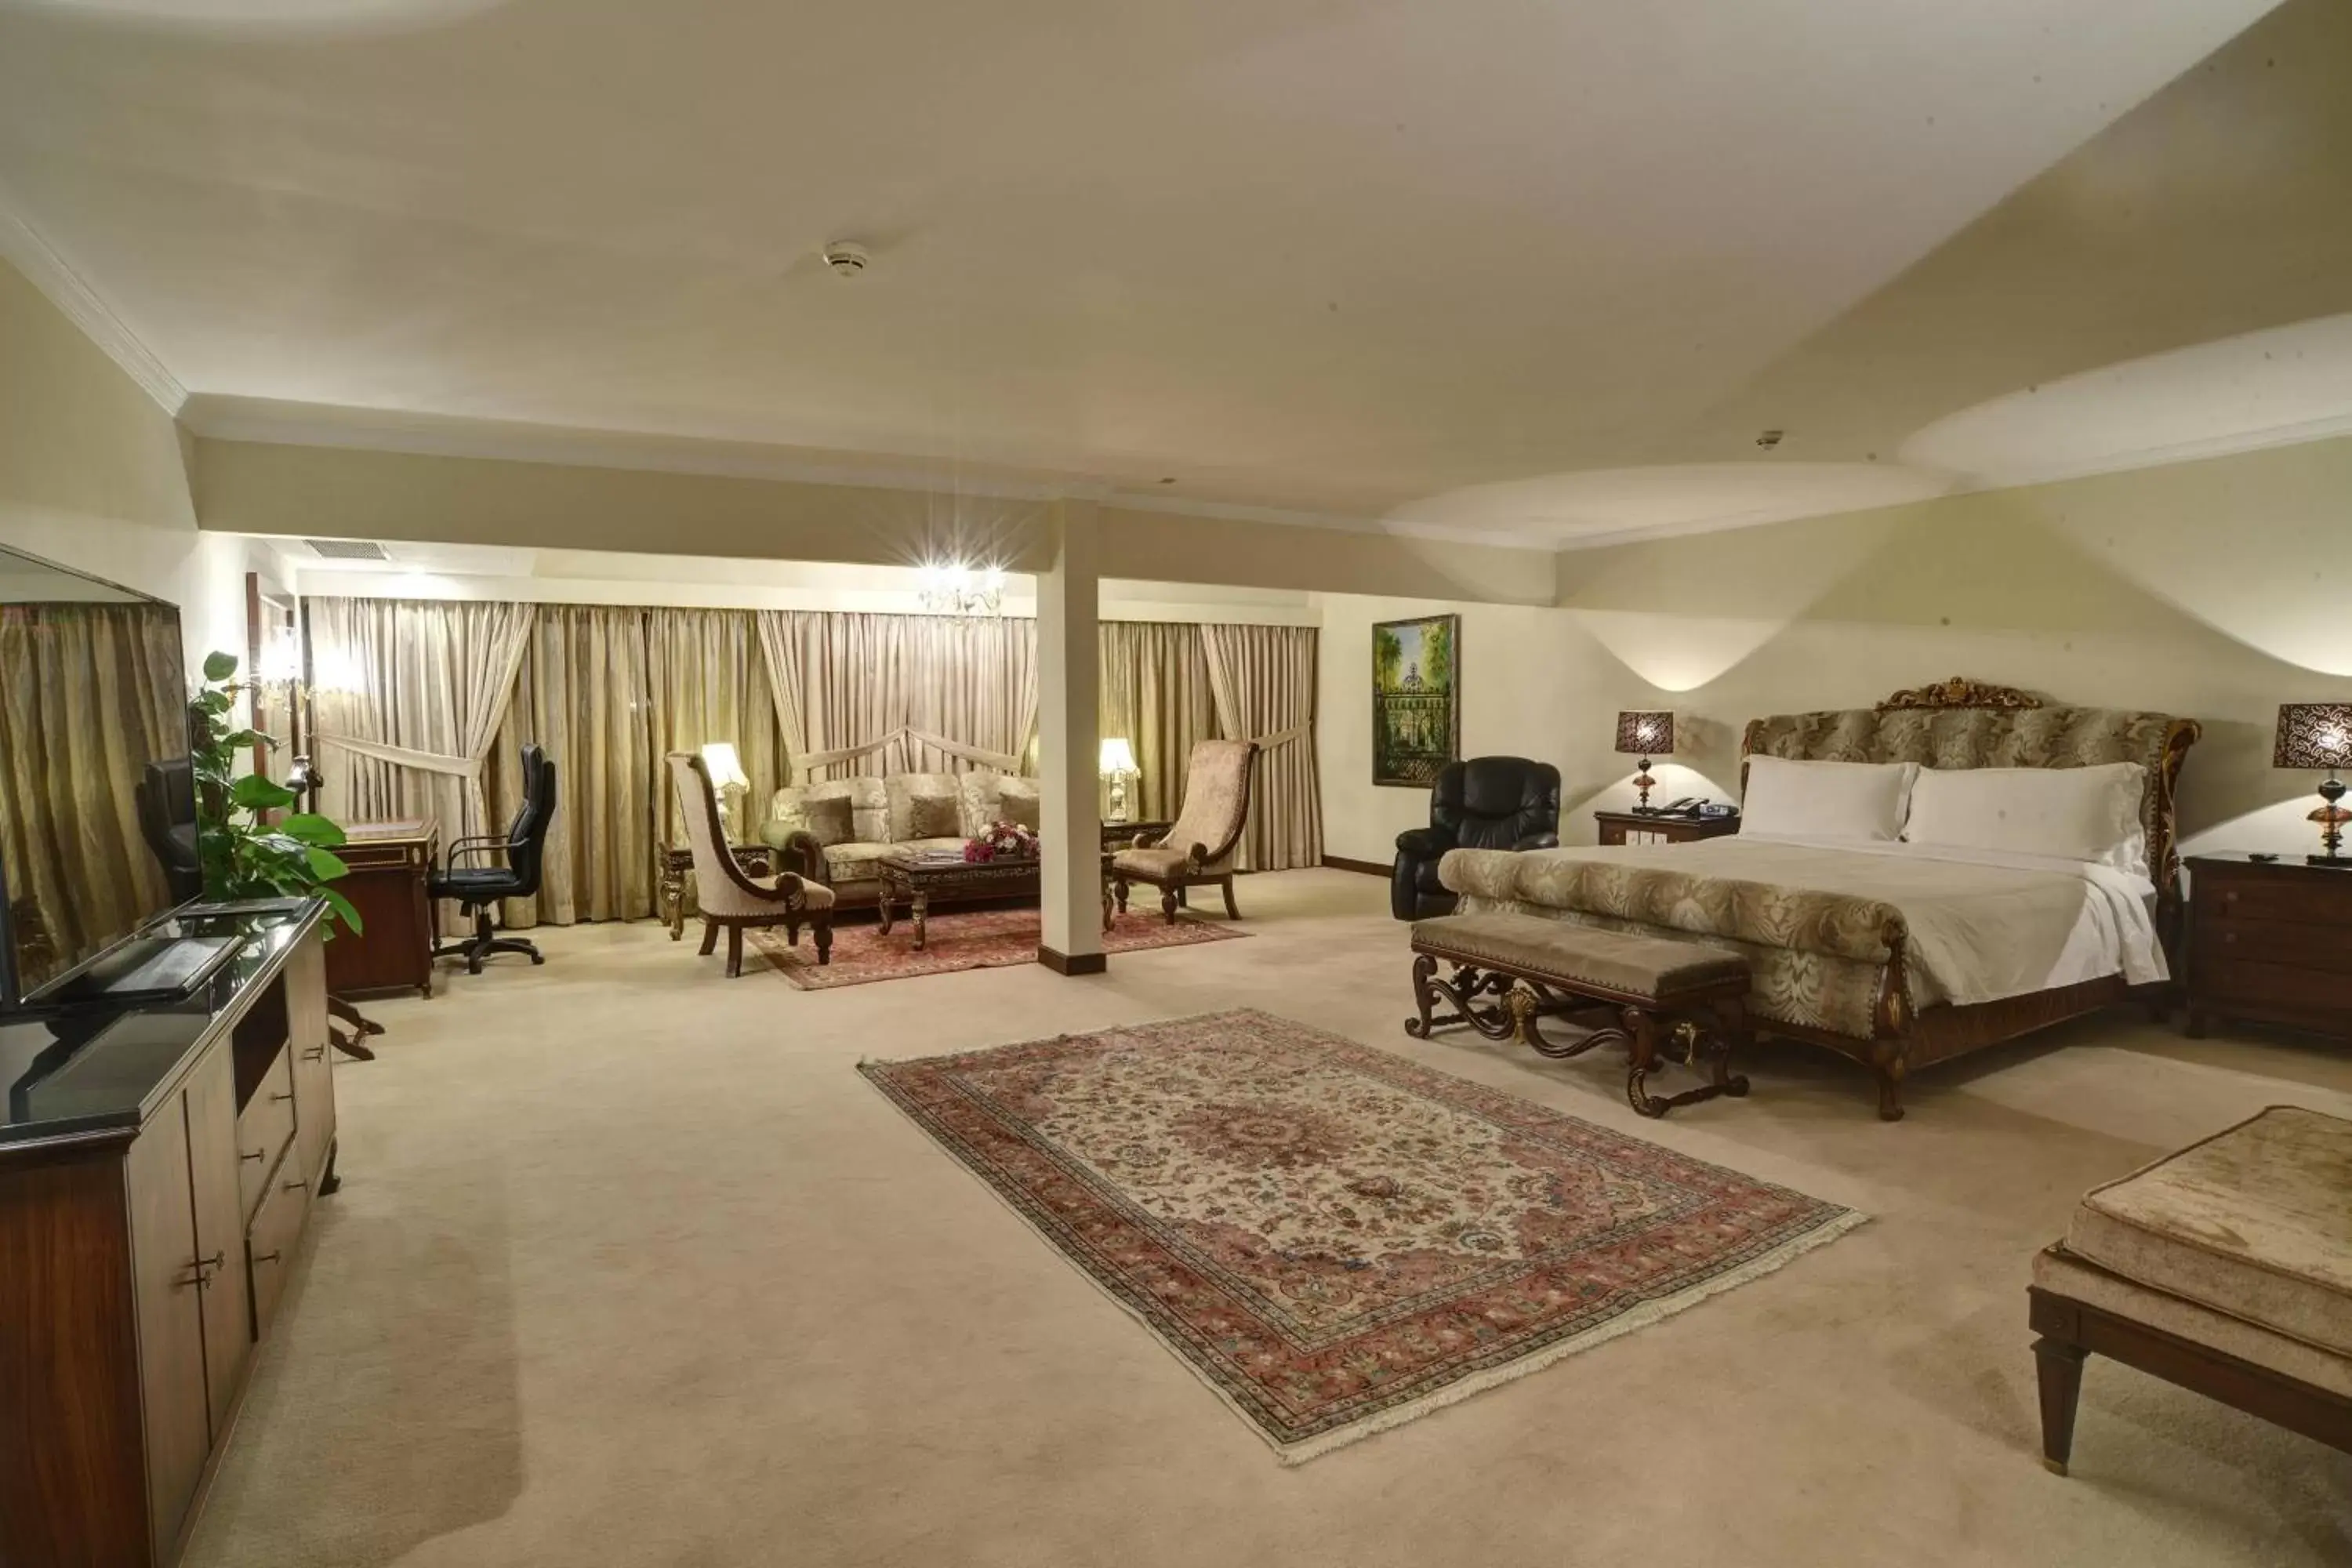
point(960, 590)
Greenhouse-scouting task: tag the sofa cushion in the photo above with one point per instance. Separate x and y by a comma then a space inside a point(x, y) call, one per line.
point(899, 791)
point(868, 806)
point(1658, 967)
point(990, 797)
point(2252, 1221)
point(933, 817)
point(1151, 865)
point(853, 861)
point(831, 819)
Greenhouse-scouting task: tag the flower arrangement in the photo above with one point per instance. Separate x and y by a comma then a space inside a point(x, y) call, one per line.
point(1001, 841)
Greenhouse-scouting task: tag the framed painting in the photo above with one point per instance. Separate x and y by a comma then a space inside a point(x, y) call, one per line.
point(1416, 698)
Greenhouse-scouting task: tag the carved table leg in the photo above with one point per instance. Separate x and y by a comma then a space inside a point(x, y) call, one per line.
point(882, 907)
point(1732, 1034)
point(1425, 995)
point(920, 907)
point(673, 901)
point(822, 925)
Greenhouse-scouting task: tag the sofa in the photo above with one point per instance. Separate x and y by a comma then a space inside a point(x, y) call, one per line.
point(814, 838)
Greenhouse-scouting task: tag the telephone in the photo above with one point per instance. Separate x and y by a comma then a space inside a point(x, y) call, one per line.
point(1700, 807)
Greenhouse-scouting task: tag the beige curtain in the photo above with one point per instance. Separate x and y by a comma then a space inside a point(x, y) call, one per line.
point(708, 680)
point(1155, 694)
point(434, 682)
point(1263, 678)
point(89, 694)
point(878, 694)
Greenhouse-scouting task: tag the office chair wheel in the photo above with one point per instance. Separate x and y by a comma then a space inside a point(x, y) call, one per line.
point(539, 958)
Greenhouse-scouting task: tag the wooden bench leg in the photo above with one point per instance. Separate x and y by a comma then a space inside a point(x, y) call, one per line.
point(2059, 1369)
point(1717, 1032)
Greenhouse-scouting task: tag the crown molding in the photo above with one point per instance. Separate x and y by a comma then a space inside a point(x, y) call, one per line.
point(66, 288)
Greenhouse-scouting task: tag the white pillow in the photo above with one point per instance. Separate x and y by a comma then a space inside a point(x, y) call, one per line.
point(2073, 814)
point(1853, 802)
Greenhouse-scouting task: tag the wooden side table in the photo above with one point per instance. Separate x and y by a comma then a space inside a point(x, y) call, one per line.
point(1642, 827)
point(2270, 941)
point(1121, 835)
point(678, 865)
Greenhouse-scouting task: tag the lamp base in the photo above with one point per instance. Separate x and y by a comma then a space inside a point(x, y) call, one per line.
point(1645, 783)
point(2334, 862)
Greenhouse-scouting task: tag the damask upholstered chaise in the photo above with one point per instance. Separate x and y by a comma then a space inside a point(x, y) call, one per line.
point(1198, 851)
point(727, 895)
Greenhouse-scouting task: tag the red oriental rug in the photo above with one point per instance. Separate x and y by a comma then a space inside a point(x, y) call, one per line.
point(1334, 1239)
point(961, 938)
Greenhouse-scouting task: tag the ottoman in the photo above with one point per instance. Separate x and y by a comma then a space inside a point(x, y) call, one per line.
point(2225, 1268)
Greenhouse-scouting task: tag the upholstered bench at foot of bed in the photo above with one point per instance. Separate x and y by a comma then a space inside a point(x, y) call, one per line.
point(2222, 1268)
point(1510, 969)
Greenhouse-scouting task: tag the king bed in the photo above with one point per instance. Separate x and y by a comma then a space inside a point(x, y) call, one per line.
point(1900, 952)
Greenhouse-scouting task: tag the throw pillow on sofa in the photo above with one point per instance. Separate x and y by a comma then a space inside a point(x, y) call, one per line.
point(830, 820)
point(933, 817)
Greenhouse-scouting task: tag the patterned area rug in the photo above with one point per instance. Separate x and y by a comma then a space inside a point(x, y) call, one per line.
point(1335, 1240)
point(961, 938)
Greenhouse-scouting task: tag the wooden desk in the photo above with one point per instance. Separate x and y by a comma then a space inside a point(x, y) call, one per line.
point(390, 862)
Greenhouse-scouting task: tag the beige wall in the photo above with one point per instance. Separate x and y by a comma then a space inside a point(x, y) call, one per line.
point(2215, 590)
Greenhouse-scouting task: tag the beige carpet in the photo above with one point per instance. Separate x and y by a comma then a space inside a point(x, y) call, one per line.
point(631, 1267)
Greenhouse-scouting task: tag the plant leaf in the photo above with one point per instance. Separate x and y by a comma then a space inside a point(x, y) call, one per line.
point(343, 910)
point(325, 865)
point(219, 666)
point(310, 828)
point(257, 793)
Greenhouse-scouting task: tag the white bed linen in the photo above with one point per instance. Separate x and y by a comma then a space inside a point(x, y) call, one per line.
point(1985, 924)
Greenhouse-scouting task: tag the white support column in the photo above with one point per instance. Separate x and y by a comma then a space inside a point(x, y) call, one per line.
point(1068, 746)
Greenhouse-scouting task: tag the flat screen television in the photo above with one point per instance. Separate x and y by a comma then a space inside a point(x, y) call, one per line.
point(97, 797)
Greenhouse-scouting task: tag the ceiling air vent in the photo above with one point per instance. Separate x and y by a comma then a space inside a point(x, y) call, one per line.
point(348, 550)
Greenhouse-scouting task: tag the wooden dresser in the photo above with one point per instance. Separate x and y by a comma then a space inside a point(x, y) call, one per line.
point(157, 1167)
point(2270, 941)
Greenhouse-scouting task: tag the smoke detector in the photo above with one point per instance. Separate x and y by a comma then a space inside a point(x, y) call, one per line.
point(848, 258)
point(1768, 440)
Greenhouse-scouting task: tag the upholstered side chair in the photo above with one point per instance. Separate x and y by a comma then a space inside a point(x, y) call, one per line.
point(1198, 851)
point(1484, 802)
point(728, 896)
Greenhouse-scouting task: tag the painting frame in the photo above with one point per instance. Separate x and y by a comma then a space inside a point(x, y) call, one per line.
point(1416, 713)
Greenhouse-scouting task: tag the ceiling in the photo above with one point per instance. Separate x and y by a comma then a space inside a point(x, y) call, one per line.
point(1540, 270)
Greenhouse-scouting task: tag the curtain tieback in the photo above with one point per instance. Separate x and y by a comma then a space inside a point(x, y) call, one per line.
point(997, 760)
point(1283, 737)
point(401, 756)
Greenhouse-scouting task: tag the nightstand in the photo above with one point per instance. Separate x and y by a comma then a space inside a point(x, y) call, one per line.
point(2271, 942)
point(1639, 827)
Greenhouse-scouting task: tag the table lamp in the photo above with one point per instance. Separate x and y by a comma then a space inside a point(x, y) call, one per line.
point(2319, 735)
point(727, 776)
point(1645, 735)
point(1118, 765)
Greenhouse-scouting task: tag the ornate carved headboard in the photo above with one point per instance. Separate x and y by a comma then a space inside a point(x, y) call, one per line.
point(1965, 724)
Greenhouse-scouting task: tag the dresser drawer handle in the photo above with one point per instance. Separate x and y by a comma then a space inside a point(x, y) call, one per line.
point(2230, 896)
point(261, 1258)
point(254, 1154)
point(281, 1098)
point(2229, 938)
point(314, 1053)
point(297, 1185)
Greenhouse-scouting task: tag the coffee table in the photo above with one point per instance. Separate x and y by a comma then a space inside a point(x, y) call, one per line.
point(918, 878)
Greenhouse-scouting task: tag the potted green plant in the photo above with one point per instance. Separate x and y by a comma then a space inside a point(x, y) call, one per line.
point(243, 854)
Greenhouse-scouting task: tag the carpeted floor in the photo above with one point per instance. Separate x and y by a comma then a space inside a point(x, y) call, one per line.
point(630, 1267)
point(954, 939)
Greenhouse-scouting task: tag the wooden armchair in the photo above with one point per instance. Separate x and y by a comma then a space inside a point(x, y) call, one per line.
point(1199, 849)
point(725, 894)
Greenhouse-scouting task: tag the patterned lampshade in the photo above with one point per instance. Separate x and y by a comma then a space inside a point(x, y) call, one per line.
point(1645, 734)
point(2312, 735)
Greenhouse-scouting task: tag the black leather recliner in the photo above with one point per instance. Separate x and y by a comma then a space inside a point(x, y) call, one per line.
point(1482, 802)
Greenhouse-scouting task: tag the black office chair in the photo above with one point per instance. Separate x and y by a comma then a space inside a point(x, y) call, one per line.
point(1485, 802)
point(478, 888)
point(166, 802)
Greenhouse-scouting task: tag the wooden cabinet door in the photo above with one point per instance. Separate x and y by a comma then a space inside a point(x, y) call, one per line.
point(213, 1163)
point(314, 1070)
point(164, 1266)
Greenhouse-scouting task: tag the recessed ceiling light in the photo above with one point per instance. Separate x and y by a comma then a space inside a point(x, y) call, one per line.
point(1768, 440)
